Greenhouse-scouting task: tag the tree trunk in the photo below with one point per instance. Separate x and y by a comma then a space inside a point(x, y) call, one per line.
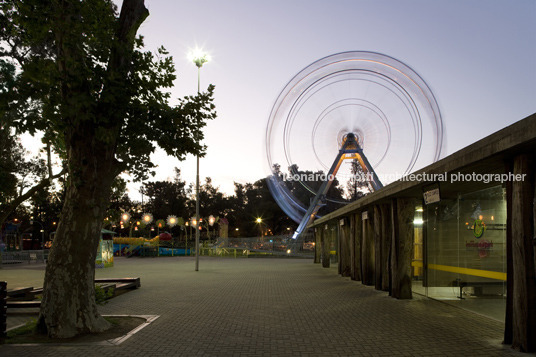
point(68, 307)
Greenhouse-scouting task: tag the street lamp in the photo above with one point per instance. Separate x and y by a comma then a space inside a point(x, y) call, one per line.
point(211, 221)
point(199, 58)
point(125, 218)
point(259, 222)
point(42, 237)
point(147, 218)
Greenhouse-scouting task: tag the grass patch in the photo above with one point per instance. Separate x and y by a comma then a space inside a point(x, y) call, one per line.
point(27, 329)
point(121, 325)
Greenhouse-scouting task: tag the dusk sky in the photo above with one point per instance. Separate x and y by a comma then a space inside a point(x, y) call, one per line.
point(477, 56)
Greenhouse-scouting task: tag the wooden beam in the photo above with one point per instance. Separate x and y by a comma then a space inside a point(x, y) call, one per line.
point(357, 245)
point(351, 220)
point(367, 249)
point(387, 237)
point(378, 237)
point(318, 244)
point(402, 246)
point(508, 332)
point(344, 246)
point(523, 255)
point(326, 246)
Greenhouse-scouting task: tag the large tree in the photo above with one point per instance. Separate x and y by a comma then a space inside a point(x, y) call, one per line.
point(80, 76)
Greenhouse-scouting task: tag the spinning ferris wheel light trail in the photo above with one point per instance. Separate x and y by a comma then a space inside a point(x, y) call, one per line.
point(363, 106)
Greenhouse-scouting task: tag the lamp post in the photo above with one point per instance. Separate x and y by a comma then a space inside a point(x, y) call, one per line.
point(42, 237)
point(199, 58)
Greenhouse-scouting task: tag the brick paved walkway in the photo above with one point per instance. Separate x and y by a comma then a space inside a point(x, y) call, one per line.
point(273, 307)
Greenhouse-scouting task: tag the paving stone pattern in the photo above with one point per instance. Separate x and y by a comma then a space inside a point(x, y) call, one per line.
point(274, 307)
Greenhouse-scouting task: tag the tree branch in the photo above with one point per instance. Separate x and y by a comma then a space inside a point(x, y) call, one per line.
point(4, 212)
point(133, 13)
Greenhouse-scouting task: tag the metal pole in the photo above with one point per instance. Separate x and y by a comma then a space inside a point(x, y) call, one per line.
point(43, 244)
point(197, 186)
point(3, 311)
point(42, 238)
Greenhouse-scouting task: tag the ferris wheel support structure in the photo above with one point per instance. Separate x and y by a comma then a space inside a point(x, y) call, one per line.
point(350, 150)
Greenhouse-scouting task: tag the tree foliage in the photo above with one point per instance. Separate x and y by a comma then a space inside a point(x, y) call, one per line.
point(357, 185)
point(165, 198)
point(69, 64)
point(20, 177)
point(305, 191)
point(11, 156)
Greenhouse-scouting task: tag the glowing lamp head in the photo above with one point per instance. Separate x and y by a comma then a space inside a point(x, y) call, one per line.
point(199, 57)
point(147, 218)
point(172, 221)
point(258, 220)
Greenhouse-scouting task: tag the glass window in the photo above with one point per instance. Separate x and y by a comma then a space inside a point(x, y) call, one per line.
point(466, 251)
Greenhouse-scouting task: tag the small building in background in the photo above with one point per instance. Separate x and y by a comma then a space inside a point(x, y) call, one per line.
point(105, 250)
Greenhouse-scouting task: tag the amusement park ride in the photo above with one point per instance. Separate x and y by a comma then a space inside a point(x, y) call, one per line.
point(361, 106)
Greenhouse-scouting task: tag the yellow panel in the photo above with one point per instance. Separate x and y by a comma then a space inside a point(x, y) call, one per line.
point(467, 271)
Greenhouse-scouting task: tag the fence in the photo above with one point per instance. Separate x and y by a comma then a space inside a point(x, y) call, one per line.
point(21, 256)
point(282, 245)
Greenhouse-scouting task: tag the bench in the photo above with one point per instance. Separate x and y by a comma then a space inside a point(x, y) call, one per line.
point(20, 293)
point(475, 284)
point(25, 297)
point(22, 304)
point(122, 283)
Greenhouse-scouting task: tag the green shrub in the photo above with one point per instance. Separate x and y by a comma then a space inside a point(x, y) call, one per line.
point(101, 296)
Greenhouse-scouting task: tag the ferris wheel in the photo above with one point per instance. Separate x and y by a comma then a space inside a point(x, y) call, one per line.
point(349, 117)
